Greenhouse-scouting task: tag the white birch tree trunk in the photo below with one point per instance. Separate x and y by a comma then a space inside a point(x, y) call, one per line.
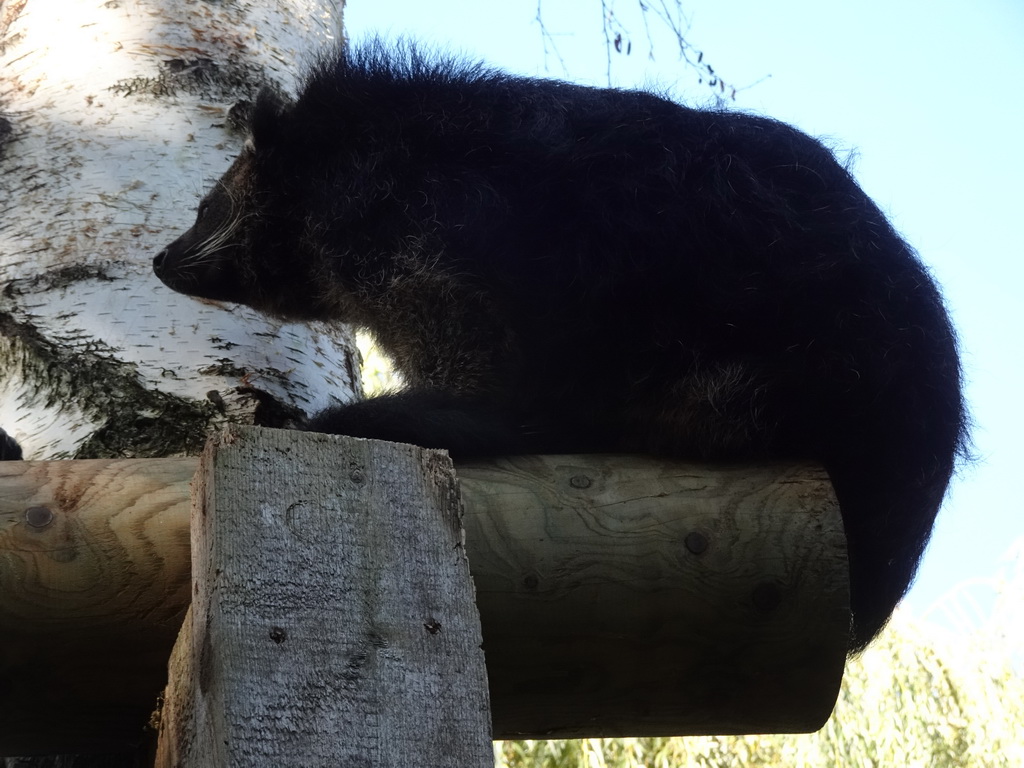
point(113, 122)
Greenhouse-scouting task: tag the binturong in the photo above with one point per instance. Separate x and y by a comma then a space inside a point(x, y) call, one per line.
point(557, 268)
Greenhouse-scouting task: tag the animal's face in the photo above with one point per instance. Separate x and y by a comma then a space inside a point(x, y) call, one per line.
point(209, 260)
point(246, 246)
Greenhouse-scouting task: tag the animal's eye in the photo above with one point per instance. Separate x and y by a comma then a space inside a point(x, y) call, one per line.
point(204, 208)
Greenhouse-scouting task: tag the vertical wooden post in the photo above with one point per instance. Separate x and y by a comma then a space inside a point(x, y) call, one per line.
point(333, 619)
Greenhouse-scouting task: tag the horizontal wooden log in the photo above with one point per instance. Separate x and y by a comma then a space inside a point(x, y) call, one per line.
point(618, 596)
point(94, 583)
point(623, 596)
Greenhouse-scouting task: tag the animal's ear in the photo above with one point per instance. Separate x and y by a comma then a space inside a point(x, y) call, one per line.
point(266, 126)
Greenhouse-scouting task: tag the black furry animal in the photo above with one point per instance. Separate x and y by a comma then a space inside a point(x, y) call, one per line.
point(557, 268)
point(9, 448)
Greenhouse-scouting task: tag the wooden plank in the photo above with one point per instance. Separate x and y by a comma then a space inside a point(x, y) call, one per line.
point(333, 619)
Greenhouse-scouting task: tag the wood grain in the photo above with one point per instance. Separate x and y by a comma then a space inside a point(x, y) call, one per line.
point(100, 537)
point(622, 595)
point(333, 620)
point(618, 595)
point(94, 582)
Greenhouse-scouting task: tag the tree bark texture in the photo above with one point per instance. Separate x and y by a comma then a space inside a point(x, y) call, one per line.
point(113, 121)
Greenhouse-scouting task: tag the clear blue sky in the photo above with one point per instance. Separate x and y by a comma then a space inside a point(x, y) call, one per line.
point(927, 94)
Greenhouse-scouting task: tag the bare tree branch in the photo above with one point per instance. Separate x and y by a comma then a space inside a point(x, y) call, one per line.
point(668, 15)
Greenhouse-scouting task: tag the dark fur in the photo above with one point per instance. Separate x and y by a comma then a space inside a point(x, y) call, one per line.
point(9, 448)
point(558, 268)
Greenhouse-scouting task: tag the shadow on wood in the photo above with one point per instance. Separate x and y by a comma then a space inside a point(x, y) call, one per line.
point(622, 596)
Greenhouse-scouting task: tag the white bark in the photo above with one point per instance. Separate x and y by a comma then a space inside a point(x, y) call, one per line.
point(117, 116)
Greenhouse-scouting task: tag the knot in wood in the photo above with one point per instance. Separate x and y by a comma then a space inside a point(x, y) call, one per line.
point(580, 481)
point(38, 517)
point(696, 543)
